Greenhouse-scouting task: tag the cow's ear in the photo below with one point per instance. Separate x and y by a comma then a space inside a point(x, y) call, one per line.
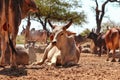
point(28, 1)
point(68, 25)
point(69, 33)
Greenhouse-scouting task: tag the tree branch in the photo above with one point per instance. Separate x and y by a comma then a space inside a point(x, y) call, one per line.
point(97, 12)
point(114, 0)
point(103, 10)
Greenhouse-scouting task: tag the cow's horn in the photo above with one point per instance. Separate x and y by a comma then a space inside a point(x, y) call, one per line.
point(51, 24)
point(68, 25)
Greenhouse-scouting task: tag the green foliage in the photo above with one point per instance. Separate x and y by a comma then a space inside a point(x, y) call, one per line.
point(85, 32)
point(61, 10)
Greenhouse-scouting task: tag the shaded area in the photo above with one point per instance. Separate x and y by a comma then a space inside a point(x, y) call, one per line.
point(13, 72)
point(90, 67)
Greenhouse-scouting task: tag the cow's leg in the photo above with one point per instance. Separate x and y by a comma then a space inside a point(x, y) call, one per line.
point(107, 55)
point(26, 43)
point(33, 45)
point(3, 48)
point(63, 61)
point(78, 51)
point(13, 57)
point(100, 51)
point(113, 60)
point(119, 50)
point(55, 59)
point(44, 56)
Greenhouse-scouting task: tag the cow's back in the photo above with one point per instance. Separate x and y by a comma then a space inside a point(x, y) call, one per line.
point(112, 38)
point(39, 36)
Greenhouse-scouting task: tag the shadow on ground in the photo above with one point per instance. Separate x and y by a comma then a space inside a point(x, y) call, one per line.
point(13, 72)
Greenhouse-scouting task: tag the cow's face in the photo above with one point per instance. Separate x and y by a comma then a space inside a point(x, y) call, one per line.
point(60, 34)
point(92, 35)
point(60, 37)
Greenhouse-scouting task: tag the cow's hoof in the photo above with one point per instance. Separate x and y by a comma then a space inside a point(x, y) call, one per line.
point(107, 59)
point(51, 64)
point(2, 66)
point(69, 64)
point(37, 63)
point(113, 60)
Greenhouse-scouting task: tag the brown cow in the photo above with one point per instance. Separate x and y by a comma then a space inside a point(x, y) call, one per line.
point(11, 13)
point(22, 57)
point(112, 39)
point(62, 49)
point(32, 36)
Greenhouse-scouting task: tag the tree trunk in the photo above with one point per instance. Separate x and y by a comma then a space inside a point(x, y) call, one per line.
point(98, 29)
point(100, 15)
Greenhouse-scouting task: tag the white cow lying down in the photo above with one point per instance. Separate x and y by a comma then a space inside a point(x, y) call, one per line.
point(62, 50)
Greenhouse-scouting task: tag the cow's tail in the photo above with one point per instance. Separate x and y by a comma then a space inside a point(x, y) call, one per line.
point(11, 44)
point(6, 27)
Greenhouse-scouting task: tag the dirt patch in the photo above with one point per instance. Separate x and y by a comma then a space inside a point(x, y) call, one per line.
point(90, 67)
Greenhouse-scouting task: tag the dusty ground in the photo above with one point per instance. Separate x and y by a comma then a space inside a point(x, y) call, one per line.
point(90, 67)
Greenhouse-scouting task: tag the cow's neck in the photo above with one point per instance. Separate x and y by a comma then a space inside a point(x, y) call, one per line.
point(27, 31)
point(95, 40)
point(68, 46)
point(24, 9)
point(24, 13)
point(67, 49)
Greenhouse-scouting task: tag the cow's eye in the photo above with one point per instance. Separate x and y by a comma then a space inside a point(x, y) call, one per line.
point(61, 34)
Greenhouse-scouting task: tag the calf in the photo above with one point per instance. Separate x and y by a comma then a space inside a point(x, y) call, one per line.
point(62, 49)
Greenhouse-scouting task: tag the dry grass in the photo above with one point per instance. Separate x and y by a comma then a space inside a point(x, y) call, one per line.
point(20, 39)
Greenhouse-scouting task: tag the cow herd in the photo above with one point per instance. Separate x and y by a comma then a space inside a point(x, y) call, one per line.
point(33, 36)
point(63, 48)
point(107, 41)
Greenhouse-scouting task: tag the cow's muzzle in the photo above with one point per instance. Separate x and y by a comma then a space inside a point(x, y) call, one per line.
point(54, 42)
